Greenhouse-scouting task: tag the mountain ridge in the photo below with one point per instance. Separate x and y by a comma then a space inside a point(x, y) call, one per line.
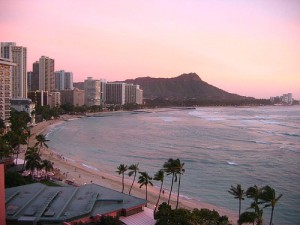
point(183, 87)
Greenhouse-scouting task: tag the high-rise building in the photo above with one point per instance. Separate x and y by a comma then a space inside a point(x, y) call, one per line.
point(6, 49)
point(5, 88)
point(18, 55)
point(92, 91)
point(46, 74)
point(115, 93)
point(133, 94)
point(33, 77)
point(63, 80)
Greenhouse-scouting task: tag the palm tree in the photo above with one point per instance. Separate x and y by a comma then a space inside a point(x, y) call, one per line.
point(145, 179)
point(133, 170)
point(28, 135)
point(239, 194)
point(170, 167)
point(159, 176)
point(255, 194)
point(180, 171)
point(33, 159)
point(268, 195)
point(121, 170)
point(47, 165)
point(41, 141)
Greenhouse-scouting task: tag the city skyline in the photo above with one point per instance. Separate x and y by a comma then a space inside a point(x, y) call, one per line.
point(247, 48)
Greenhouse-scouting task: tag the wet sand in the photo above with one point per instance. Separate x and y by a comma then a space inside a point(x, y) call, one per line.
point(70, 170)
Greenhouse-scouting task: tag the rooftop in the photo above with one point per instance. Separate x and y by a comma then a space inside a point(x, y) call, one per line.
point(38, 202)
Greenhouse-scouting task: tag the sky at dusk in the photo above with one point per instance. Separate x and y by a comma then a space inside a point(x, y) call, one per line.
point(251, 48)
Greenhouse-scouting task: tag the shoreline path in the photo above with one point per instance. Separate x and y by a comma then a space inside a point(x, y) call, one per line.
point(80, 175)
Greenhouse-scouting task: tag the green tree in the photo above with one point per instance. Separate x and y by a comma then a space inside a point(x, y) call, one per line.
point(145, 179)
point(16, 138)
point(239, 194)
point(159, 176)
point(5, 148)
point(247, 217)
point(171, 168)
point(41, 142)
point(268, 195)
point(2, 126)
point(208, 217)
point(121, 171)
point(133, 169)
point(33, 159)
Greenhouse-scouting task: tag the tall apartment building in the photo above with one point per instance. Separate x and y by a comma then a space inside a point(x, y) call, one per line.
point(18, 55)
point(133, 94)
point(73, 97)
point(115, 93)
point(33, 77)
point(5, 88)
point(46, 74)
point(94, 91)
point(63, 80)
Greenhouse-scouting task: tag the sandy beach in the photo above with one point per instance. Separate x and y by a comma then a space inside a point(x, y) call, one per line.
point(70, 170)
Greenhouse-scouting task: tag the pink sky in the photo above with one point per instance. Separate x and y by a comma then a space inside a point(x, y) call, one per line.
point(251, 48)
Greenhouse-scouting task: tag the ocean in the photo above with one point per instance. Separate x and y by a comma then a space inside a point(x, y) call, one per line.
point(220, 146)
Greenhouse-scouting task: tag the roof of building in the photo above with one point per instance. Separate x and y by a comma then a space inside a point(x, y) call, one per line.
point(38, 202)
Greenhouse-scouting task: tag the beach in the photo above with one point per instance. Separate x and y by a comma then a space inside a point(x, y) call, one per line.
point(66, 169)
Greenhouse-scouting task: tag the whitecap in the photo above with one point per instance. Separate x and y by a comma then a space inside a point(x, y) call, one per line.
point(231, 163)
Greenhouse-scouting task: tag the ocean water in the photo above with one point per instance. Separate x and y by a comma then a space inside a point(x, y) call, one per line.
point(220, 146)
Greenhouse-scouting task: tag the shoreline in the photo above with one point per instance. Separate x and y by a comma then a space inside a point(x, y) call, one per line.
point(81, 173)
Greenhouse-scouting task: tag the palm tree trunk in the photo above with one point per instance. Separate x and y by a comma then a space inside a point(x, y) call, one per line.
point(122, 182)
point(158, 197)
point(132, 184)
point(25, 153)
point(146, 194)
point(240, 203)
point(17, 157)
point(178, 191)
point(171, 189)
point(271, 219)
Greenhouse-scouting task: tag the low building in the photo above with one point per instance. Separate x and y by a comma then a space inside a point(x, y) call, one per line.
point(39, 98)
point(73, 97)
point(54, 99)
point(40, 204)
point(24, 104)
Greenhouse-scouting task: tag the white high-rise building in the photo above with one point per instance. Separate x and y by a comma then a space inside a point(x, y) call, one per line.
point(46, 74)
point(133, 94)
point(63, 80)
point(92, 92)
point(18, 55)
